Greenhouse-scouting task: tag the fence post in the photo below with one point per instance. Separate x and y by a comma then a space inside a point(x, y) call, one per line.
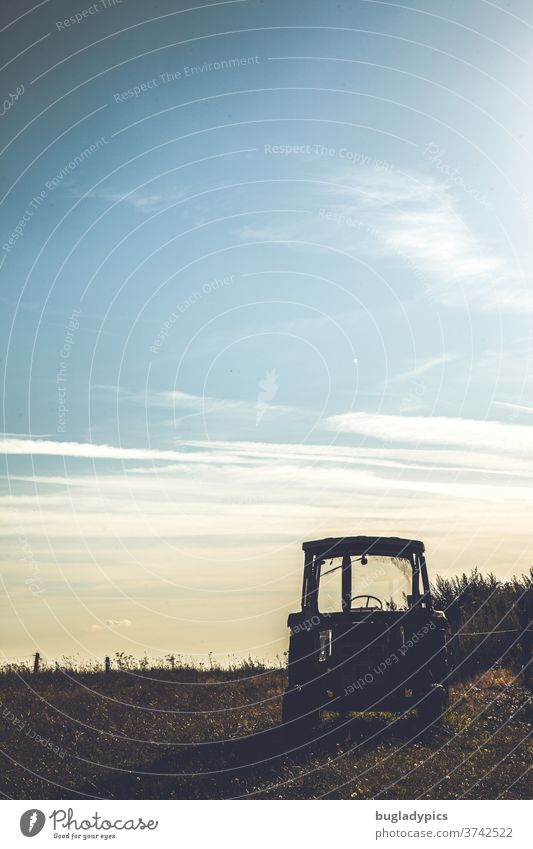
point(36, 663)
point(527, 654)
point(107, 664)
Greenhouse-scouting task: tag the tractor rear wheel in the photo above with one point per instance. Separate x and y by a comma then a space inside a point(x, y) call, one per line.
point(432, 706)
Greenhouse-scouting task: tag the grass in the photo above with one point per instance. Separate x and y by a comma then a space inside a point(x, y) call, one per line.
point(184, 732)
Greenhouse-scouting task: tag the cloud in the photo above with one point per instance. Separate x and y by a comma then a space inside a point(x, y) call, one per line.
point(231, 413)
point(245, 489)
point(176, 400)
point(430, 434)
point(382, 190)
point(138, 200)
point(471, 434)
point(415, 218)
point(112, 623)
point(437, 241)
point(223, 516)
point(423, 367)
point(22, 445)
point(518, 408)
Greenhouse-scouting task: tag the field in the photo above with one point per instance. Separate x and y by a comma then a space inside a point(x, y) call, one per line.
point(214, 734)
point(173, 730)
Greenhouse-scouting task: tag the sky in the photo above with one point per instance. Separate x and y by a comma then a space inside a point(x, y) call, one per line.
point(266, 277)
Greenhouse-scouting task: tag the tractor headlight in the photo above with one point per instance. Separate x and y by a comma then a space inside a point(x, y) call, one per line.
point(325, 645)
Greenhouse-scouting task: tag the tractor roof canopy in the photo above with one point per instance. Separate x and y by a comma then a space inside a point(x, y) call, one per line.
point(377, 546)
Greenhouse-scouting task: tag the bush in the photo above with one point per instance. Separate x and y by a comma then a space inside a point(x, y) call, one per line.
point(489, 620)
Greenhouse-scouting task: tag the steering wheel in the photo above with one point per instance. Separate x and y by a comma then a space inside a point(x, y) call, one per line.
point(368, 597)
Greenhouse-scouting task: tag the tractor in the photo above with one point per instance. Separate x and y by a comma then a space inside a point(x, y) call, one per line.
point(367, 637)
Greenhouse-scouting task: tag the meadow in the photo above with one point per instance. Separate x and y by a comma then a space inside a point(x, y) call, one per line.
point(169, 729)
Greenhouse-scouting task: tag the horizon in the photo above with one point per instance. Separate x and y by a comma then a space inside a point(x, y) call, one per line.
point(263, 283)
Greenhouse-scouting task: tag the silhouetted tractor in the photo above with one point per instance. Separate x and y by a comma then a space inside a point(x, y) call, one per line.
point(367, 637)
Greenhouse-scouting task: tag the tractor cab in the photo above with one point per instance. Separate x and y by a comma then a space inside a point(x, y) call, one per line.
point(366, 637)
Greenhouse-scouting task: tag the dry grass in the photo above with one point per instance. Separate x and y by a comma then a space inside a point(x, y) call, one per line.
point(213, 733)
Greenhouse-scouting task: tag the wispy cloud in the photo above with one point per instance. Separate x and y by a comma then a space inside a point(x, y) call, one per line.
point(518, 408)
point(227, 500)
point(281, 480)
point(227, 411)
point(417, 219)
point(174, 399)
point(139, 200)
point(472, 434)
point(112, 624)
point(87, 450)
point(423, 367)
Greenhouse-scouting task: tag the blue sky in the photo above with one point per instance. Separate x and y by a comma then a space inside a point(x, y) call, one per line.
point(266, 277)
